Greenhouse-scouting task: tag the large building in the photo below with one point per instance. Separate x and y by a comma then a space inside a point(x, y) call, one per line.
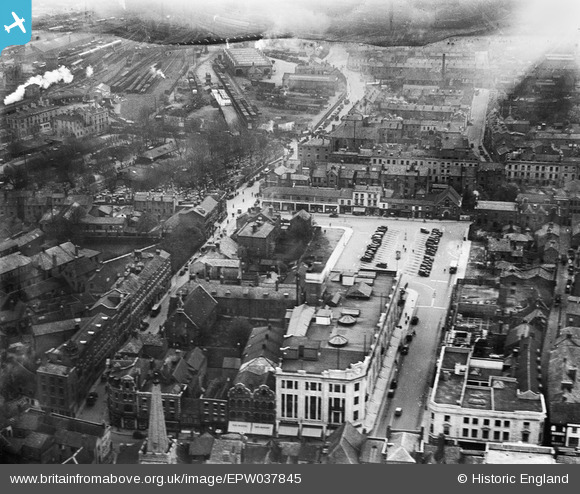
point(328, 369)
point(473, 402)
point(247, 62)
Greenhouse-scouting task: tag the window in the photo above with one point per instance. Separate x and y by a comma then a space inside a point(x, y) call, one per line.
point(485, 434)
point(465, 433)
point(355, 415)
point(475, 421)
point(466, 420)
point(525, 436)
point(506, 423)
point(446, 430)
point(474, 433)
point(498, 423)
point(356, 400)
point(486, 422)
point(506, 436)
point(496, 435)
point(447, 418)
point(526, 425)
point(357, 386)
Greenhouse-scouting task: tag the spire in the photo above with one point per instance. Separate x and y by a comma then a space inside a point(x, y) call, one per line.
point(157, 440)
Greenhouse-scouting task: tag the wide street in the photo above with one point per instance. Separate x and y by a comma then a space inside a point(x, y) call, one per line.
point(404, 235)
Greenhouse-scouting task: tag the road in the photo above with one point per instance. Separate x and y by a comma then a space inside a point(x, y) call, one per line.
point(477, 118)
point(557, 317)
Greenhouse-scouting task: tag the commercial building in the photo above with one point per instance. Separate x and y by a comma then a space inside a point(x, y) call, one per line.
point(473, 402)
point(329, 365)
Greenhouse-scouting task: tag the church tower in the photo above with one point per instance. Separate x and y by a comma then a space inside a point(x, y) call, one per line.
point(158, 448)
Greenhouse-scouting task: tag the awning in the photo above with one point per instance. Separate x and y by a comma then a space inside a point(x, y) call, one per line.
point(308, 431)
point(288, 430)
point(359, 210)
point(263, 429)
point(240, 427)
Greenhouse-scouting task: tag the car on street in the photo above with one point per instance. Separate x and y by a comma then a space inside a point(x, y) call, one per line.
point(424, 230)
point(414, 320)
point(398, 412)
point(405, 349)
point(333, 215)
point(382, 265)
point(558, 299)
point(382, 228)
point(92, 398)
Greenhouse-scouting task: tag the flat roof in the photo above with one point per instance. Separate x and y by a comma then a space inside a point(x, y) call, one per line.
point(462, 382)
point(359, 336)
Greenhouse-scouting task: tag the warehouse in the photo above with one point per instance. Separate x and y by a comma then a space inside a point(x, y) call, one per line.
point(311, 82)
point(247, 62)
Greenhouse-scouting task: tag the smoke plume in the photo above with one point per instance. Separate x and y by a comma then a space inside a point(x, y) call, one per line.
point(157, 72)
point(62, 74)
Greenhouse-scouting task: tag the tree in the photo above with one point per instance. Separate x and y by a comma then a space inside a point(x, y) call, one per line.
point(146, 223)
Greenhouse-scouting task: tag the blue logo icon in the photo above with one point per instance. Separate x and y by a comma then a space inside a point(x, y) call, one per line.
point(15, 22)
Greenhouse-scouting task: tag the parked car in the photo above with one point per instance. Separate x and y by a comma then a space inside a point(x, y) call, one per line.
point(382, 265)
point(398, 412)
point(414, 320)
point(424, 230)
point(333, 215)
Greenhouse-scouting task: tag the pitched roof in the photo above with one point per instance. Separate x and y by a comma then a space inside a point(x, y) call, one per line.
point(199, 305)
point(157, 440)
point(345, 445)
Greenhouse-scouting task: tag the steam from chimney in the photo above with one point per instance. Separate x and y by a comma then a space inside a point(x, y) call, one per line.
point(44, 81)
point(157, 72)
point(90, 71)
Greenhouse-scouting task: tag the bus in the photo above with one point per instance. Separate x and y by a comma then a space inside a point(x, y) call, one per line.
point(453, 267)
point(155, 310)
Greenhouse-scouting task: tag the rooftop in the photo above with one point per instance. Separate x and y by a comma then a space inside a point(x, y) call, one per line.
point(479, 384)
point(310, 346)
point(247, 57)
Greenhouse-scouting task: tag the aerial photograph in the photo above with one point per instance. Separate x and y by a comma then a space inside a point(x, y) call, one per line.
point(290, 232)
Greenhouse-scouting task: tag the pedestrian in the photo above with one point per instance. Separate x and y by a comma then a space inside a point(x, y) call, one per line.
point(444, 270)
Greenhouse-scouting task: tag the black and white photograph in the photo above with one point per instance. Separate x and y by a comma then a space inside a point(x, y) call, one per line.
point(291, 232)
